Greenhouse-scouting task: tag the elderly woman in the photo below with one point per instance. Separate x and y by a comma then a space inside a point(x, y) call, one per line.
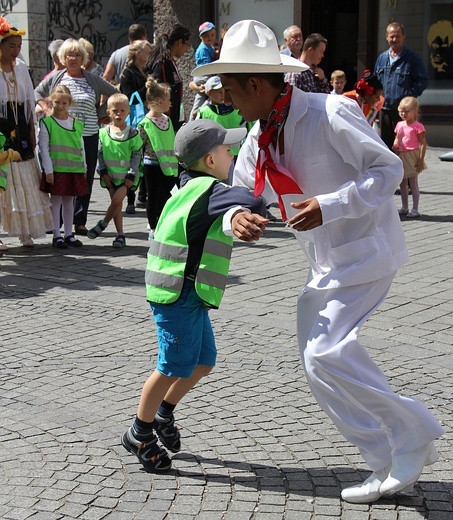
point(87, 90)
point(25, 209)
point(91, 65)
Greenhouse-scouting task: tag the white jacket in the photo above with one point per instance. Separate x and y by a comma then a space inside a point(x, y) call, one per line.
point(334, 155)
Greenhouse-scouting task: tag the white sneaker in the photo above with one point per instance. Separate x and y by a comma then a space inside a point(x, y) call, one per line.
point(151, 234)
point(407, 468)
point(369, 490)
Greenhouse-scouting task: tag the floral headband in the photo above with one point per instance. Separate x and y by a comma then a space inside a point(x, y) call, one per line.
point(6, 29)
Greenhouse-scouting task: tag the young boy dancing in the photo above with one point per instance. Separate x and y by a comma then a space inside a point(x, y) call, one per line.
point(120, 153)
point(186, 275)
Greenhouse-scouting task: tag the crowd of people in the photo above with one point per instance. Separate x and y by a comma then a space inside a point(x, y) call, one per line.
point(300, 151)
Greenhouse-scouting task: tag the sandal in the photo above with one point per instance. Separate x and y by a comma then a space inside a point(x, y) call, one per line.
point(153, 458)
point(95, 231)
point(413, 214)
point(119, 242)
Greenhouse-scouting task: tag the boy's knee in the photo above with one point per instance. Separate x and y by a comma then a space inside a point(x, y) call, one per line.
point(204, 370)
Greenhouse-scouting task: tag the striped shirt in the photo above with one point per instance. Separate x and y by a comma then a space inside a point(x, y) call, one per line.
point(84, 107)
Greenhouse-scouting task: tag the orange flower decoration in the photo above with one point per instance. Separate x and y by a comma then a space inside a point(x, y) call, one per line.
point(5, 26)
point(6, 29)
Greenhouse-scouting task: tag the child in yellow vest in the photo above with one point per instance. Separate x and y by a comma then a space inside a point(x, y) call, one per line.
point(160, 166)
point(63, 170)
point(217, 110)
point(120, 153)
point(187, 269)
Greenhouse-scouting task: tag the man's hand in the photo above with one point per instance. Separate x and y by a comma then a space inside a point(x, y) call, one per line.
point(310, 216)
point(248, 226)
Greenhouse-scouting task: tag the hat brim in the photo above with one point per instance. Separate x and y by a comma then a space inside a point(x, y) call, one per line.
point(235, 135)
point(288, 64)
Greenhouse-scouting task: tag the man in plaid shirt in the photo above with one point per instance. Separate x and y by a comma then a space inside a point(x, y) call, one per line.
point(314, 79)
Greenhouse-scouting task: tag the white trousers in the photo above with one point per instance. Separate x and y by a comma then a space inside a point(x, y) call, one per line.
point(346, 382)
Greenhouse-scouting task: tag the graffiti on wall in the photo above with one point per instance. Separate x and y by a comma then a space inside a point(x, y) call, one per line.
point(90, 19)
point(6, 6)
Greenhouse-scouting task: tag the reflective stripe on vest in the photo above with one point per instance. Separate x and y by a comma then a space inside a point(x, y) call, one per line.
point(162, 142)
point(68, 157)
point(167, 256)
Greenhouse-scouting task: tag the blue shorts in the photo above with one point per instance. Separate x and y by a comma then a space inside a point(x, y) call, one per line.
point(184, 334)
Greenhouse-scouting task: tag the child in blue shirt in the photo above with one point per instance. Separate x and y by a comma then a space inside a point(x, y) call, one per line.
point(204, 54)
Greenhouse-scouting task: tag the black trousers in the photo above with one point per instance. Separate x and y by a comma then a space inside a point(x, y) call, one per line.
point(81, 204)
point(158, 188)
point(388, 118)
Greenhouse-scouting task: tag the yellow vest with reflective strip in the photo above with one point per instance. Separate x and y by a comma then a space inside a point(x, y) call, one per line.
point(167, 256)
point(162, 142)
point(117, 154)
point(65, 146)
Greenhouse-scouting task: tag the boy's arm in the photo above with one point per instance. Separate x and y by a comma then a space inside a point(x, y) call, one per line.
point(239, 206)
point(135, 163)
point(43, 142)
point(102, 168)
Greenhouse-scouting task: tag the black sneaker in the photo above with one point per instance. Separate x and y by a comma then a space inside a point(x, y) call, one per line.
point(167, 432)
point(152, 457)
point(130, 209)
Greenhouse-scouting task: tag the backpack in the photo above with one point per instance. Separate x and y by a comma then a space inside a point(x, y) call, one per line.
point(137, 110)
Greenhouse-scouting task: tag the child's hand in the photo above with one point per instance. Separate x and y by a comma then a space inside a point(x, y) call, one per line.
point(395, 148)
point(50, 178)
point(128, 183)
point(107, 181)
point(419, 166)
point(248, 226)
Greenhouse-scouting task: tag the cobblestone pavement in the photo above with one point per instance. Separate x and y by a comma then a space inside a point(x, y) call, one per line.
point(77, 342)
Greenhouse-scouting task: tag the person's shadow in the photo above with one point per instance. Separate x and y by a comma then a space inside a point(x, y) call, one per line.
point(292, 480)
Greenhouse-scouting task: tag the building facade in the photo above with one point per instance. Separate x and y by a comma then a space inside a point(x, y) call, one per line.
point(355, 30)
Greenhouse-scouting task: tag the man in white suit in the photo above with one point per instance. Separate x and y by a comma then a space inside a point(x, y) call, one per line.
point(334, 180)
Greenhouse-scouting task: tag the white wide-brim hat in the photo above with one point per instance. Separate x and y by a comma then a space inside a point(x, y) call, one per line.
point(250, 46)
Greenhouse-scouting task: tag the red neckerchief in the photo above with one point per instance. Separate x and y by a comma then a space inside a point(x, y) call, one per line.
point(265, 165)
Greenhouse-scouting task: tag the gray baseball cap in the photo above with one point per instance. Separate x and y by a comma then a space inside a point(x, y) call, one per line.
point(197, 138)
point(213, 83)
